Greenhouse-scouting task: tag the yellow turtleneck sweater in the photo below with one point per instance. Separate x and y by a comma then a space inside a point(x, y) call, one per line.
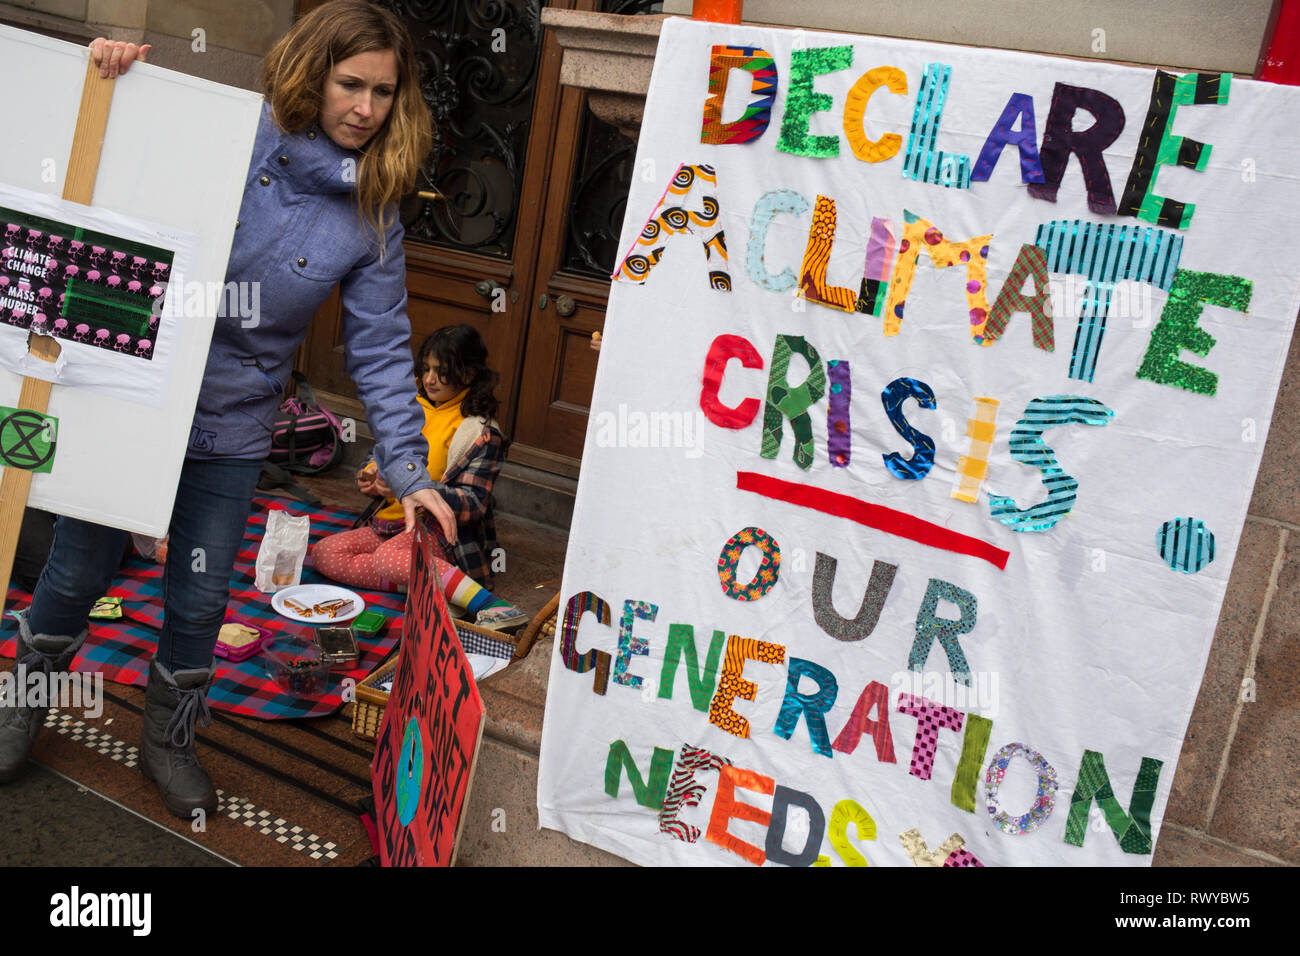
point(440, 424)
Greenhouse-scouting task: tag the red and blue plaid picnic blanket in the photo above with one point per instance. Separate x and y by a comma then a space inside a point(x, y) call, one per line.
point(121, 649)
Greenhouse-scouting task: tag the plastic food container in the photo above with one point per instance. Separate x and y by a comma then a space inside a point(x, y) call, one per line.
point(235, 648)
point(296, 666)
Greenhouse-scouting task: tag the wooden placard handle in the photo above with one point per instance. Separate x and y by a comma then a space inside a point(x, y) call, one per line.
point(78, 186)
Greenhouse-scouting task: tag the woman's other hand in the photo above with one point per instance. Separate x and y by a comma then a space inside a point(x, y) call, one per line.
point(432, 502)
point(116, 56)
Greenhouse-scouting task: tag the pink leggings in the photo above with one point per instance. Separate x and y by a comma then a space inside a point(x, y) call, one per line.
point(363, 558)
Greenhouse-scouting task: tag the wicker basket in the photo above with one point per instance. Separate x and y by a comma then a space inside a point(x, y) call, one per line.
point(368, 711)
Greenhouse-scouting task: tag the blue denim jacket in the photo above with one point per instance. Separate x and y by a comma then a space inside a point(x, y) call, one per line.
point(299, 233)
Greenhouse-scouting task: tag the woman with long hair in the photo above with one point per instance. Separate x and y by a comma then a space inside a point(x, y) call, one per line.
point(342, 133)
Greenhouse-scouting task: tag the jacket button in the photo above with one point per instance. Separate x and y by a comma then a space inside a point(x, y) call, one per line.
point(265, 180)
point(301, 262)
point(236, 223)
point(283, 160)
point(311, 134)
point(410, 466)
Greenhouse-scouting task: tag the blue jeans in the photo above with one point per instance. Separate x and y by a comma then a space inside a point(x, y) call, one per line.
point(207, 527)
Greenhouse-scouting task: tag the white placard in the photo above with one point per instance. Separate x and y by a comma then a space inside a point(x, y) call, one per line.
point(1075, 635)
point(173, 164)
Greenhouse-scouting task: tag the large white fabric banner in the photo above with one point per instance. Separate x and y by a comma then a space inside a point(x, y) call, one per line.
point(934, 386)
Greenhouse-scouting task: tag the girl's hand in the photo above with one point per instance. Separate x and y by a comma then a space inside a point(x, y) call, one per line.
point(116, 56)
point(432, 502)
point(380, 487)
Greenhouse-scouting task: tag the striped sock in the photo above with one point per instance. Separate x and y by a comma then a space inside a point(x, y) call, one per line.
point(464, 592)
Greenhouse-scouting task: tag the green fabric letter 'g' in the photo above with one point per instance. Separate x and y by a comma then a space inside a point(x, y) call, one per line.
point(649, 794)
point(1132, 829)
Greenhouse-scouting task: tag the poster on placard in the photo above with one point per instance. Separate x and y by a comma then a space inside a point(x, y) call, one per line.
point(933, 387)
point(433, 723)
point(130, 286)
point(99, 283)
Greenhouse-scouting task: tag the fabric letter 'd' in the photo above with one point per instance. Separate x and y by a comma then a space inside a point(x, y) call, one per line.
point(873, 599)
point(1061, 140)
point(792, 401)
point(726, 806)
point(684, 791)
point(763, 82)
point(782, 799)
point(930, 626)
point(801, 101)
point(812, 706)
point(874, 695)
point(1132, 829)
point(578, 605)
point(765, 210)
point(922, 460)
point(724, 349)
point(1026, 140)
point(732, 684)
point(648, 794)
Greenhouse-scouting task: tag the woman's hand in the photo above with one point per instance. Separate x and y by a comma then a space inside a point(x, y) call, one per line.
point(432, 502)
point(116, 56)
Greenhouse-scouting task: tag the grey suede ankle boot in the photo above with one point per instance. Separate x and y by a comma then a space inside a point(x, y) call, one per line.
point(173, 703)
point(19, 725)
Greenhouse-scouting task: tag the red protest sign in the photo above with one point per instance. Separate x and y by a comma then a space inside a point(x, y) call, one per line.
point(428, 743)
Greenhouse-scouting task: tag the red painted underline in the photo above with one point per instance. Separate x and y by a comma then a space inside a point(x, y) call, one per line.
point(873, 516)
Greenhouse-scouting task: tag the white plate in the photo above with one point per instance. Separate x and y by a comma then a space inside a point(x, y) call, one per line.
point(309, 595)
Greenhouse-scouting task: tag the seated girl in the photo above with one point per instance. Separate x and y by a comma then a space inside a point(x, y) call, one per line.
point(466, 449)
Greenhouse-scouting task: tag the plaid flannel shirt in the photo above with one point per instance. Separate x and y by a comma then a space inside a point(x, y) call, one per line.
point(466, 486)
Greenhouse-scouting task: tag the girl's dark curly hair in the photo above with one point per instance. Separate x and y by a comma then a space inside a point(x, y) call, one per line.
point(462, 363)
